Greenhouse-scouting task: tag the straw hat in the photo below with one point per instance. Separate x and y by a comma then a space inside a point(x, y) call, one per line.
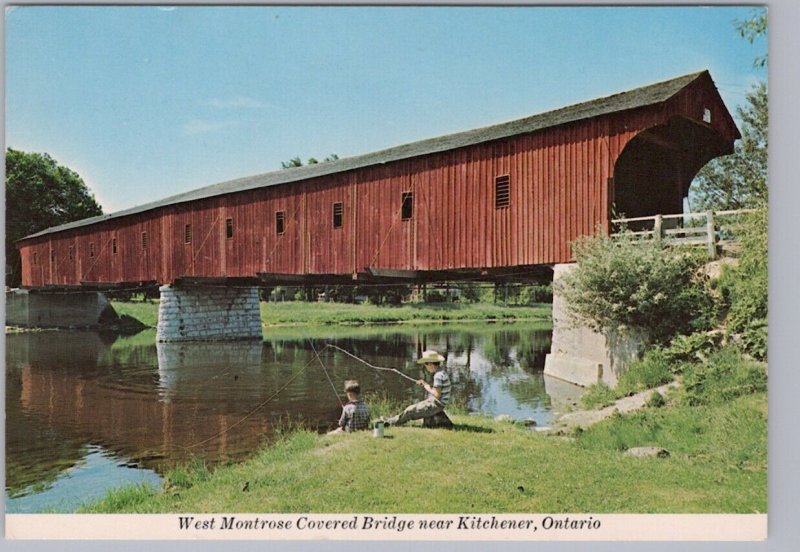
point(430, 357)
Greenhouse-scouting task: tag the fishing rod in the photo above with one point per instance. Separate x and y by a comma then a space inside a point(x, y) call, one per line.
point(395, 370)
point(290, 380)
point(324, 369)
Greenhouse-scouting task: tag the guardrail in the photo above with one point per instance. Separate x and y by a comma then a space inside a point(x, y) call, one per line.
point(712, 229)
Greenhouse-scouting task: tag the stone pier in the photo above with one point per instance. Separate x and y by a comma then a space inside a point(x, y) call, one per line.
point(582, 356)
point(42, 308)
point(208, 313)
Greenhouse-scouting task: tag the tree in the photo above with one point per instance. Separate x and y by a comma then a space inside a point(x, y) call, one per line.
point(40, 193)
point(739, 180)
point(297, 162)
point(752, 28)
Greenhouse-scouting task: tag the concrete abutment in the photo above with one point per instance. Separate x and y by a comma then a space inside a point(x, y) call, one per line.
point(43, 308)
point(581, 355)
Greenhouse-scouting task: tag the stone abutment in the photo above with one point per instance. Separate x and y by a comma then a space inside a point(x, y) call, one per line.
point(209, 313)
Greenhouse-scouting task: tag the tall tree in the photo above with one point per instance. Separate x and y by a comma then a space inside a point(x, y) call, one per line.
point(40, 193)
point(752, 28)
point(740, 180)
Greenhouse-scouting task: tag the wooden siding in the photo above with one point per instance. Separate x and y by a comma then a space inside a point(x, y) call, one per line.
point(561, 187)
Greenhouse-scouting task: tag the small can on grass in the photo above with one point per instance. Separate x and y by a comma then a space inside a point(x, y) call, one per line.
point(377, 430)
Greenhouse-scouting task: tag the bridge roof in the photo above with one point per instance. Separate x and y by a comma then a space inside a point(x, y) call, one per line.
point(639, 97)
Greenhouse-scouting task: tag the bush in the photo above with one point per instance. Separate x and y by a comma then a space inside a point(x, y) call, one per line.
point(656, 400)
point(653, 370)
point(745, 288)
point(623, 282)
point(725, 376)
point(692, 348)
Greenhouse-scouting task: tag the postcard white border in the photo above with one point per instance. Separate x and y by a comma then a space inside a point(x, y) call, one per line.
point(390, 527)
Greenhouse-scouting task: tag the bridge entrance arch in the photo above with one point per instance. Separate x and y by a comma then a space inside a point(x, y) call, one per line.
point(653, 173)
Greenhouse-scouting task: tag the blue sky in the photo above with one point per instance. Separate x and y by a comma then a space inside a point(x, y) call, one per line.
point(146, 102)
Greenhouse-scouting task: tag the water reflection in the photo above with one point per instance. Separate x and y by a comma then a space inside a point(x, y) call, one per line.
point(151, 405)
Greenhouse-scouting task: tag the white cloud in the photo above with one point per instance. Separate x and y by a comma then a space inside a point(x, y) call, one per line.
point(237, 102)
point(193, 128)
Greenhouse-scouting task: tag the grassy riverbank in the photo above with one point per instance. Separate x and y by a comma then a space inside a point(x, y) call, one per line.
point(717, 464)
point(298, 312)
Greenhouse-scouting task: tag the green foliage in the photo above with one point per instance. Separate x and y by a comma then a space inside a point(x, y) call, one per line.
point(739, 180)
point(725, 376)
point(732, 435)
point(129, 498)
point(598, 395)
point(692, 348)
point(186, 476)
point(654, 369)
point(623, 283)
point(717, 452)
point(656, 400)
point(752, 28)
point(297, 162)
point(40, 193)
point(651, 371)
point(746, 288)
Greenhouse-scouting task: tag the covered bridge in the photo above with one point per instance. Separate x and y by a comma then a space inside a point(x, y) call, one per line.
point(485, 203)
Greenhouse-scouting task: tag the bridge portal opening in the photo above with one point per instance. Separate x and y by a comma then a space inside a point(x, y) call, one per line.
point(653, 173)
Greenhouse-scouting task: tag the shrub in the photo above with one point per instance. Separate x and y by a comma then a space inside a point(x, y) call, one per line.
point(651, 371)
point(725, 376)
point(656, 400)
point(623, 282)
point(694, 347)
point(745, 287)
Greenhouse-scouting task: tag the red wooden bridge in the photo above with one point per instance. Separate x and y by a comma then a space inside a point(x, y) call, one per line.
point(496, 202)
point(502, 202)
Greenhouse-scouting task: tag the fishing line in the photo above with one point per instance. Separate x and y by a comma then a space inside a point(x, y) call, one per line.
point(275, 394)
point(254, 410)
point(395, 370)
point(324, 369)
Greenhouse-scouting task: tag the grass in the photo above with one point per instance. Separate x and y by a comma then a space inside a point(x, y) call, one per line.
point(145, 312)
point(717, 465)
point(297, 312)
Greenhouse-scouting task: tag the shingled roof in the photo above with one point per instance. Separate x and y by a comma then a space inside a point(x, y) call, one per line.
point(631, 99)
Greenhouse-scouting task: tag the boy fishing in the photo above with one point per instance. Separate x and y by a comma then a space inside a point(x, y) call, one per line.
point(438, 393)
point(355, 414)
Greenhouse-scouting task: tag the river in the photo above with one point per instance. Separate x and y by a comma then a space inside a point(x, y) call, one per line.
point(87, 411)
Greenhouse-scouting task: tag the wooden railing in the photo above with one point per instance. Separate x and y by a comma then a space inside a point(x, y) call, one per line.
point(711, 229)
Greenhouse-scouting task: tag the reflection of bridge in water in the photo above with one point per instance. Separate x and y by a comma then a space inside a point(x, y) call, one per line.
point(158, 404)
point(145, 402)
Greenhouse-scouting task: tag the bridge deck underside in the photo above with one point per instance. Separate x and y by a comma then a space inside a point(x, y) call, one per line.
point(534, 274)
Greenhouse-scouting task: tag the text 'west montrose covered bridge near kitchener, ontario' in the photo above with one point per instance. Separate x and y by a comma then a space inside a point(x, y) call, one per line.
point(503, 201)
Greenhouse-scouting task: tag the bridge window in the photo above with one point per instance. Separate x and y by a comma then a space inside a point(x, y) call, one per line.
point(407, 206)
point(34, 259)
point(114, 246)
point(91, 249)
point(187, 233)
point(229, 228)
point(71, 253)
point(502, 192)
point(338, 214)
point(52, 255)
point(145, 240)
point(280, 216)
